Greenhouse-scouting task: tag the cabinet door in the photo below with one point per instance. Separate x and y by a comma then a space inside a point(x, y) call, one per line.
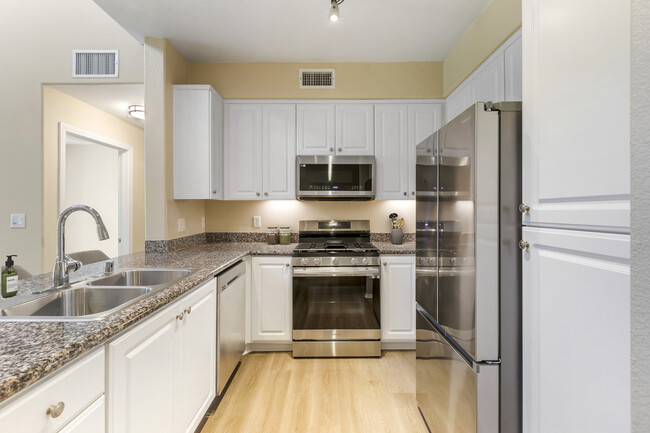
point(391, 151)
point(512, 60)
point(457, 102)
point(424, 120)
point(354, 129)
point(272, 300)
point(576, 114)
point(243, 152)
point(279, 151)
point(216, 136)
point(197, 384)
point(192, 142)
point(576, 332)
point(142, 376)
point(398, 298)
point(315, 129)
point(93, 419)
point(489, 83)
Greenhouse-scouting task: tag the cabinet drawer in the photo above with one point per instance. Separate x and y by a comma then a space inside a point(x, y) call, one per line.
point(77, 386)
point(90, 420)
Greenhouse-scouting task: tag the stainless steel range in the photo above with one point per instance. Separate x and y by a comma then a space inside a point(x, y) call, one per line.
point(336, 291)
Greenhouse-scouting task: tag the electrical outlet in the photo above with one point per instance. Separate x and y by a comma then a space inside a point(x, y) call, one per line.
point(257, 222)
point(17, 220)
point(181, 225)
point(202, 222)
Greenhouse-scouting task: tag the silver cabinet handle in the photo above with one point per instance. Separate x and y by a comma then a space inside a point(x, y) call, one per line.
point(405, 193)
point(385, 264)
point(180, 316)
point(188, 310)
point(524, 208)
point(524, 245)
point(340, 149)
point(331, 149)
point(257, 194)
point(412, 192)
point(55, 410)
point(214, 191)
point(287, 265)
point(266, 194)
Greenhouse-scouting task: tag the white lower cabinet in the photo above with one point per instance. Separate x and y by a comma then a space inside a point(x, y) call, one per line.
point(161, 375)
point(271, 300)
point(576, 332)
point(398, 299)
point(73, 393)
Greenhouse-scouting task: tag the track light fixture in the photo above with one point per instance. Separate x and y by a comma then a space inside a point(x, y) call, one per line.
point(335, 13)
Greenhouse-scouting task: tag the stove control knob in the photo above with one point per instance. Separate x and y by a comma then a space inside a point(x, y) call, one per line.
point(354, 261)
point(423, 261)
point(365, 260)
point(335, 261)
point(304, 262)
point(317, 261)
point(453, 261)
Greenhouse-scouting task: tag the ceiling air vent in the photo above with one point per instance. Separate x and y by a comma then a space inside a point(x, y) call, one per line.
point(316, 78)
point(95, 63)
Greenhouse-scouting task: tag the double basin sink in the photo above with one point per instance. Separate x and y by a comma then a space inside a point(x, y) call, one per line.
point(95, 298)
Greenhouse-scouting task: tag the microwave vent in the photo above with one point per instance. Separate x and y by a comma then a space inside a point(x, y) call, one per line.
point(95, 63)
point(316, 78)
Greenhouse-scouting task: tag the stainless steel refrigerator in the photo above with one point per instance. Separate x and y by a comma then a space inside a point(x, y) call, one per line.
point(468, 274)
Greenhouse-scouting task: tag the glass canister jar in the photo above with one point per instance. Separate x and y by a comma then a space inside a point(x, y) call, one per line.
point(285, 235)
point(272, 237)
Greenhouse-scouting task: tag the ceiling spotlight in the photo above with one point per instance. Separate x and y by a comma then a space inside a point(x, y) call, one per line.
point(335, 13)
point(136, 111)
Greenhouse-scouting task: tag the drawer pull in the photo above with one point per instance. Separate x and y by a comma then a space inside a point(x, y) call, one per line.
point(188, 310)
point(55, 410)
point(180, 316)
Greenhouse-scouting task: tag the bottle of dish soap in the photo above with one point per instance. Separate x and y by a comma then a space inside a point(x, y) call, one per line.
point(9, 278)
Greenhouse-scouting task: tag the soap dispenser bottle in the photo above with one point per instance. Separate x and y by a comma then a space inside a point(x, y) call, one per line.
point(9, 278)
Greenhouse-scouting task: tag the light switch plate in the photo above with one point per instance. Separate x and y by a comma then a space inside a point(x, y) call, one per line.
point(202, 222)
point(181, 225)
point(257, 222)
point(17, 220)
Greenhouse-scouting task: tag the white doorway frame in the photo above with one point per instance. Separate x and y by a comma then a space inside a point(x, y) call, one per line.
point(125, 175)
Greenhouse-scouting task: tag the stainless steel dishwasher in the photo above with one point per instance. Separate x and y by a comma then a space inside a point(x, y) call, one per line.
point(231, 324)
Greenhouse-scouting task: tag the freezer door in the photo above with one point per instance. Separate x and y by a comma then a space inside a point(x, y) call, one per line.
point(452, 396)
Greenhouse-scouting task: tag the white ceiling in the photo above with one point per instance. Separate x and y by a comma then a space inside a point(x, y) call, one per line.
point(112, 98)
point(299, 30)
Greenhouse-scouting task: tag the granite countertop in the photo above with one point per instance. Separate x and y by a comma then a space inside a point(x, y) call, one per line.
point(30, 351)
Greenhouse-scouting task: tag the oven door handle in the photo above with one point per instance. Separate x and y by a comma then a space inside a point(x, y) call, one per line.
point(336, 272)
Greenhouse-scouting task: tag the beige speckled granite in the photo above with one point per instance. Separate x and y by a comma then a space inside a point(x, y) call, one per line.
point(31, 350)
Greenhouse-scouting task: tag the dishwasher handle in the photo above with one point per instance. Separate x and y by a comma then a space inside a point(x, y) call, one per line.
point(225, 279)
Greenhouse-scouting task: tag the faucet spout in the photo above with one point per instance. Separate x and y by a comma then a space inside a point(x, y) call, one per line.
point(64, 264)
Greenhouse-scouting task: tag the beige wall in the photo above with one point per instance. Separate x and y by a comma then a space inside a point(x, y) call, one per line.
point(237, 216)
point(61, 108)
point(164, 67)
point(498, 21)
point(417, 80)
point(38, 38)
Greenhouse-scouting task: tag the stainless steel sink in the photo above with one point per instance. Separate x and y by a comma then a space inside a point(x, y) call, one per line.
point(95, 298)
point(141, 277)
point(83, 302)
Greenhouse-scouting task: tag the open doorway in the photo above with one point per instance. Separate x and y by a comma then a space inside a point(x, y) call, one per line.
point(96, 171)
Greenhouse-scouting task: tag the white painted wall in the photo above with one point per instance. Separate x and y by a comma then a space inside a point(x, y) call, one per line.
point(92, 178)
point(640, 159)
point(36, 42)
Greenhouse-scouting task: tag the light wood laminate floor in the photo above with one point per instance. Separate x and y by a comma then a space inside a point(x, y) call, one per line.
point(274, 393)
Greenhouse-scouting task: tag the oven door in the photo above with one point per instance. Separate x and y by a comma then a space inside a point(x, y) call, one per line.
point(335, 177)
point(336, 303)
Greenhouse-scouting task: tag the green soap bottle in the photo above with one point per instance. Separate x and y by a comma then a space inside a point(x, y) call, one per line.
point(9, 278)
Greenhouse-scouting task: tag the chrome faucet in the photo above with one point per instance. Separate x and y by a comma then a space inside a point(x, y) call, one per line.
point(65, 264)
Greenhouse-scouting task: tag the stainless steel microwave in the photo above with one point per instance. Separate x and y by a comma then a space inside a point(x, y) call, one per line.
point(335, 177)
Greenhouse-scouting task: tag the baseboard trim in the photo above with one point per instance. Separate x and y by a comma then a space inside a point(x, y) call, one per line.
point(288, 347)
point(398, 345)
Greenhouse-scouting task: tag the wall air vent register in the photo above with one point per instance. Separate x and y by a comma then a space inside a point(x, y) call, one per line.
point(316, 78)
point(95, 63)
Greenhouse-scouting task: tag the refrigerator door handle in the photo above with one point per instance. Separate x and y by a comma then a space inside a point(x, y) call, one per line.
point(475, 366)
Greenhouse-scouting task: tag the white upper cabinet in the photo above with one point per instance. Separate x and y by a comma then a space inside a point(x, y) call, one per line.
point(576, 331)
point(279, 151)
point(489, 84)
point(355, 129)
point(576, 114)
point(391, 151)
point(315, 129)
point(457, 102)
point(198, 143)
point(243, 152)
point(424, 120)
point(260, 151)
point(512, 61)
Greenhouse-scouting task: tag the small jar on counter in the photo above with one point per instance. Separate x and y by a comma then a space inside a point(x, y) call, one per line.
point(272, 238)
point(285, 235)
